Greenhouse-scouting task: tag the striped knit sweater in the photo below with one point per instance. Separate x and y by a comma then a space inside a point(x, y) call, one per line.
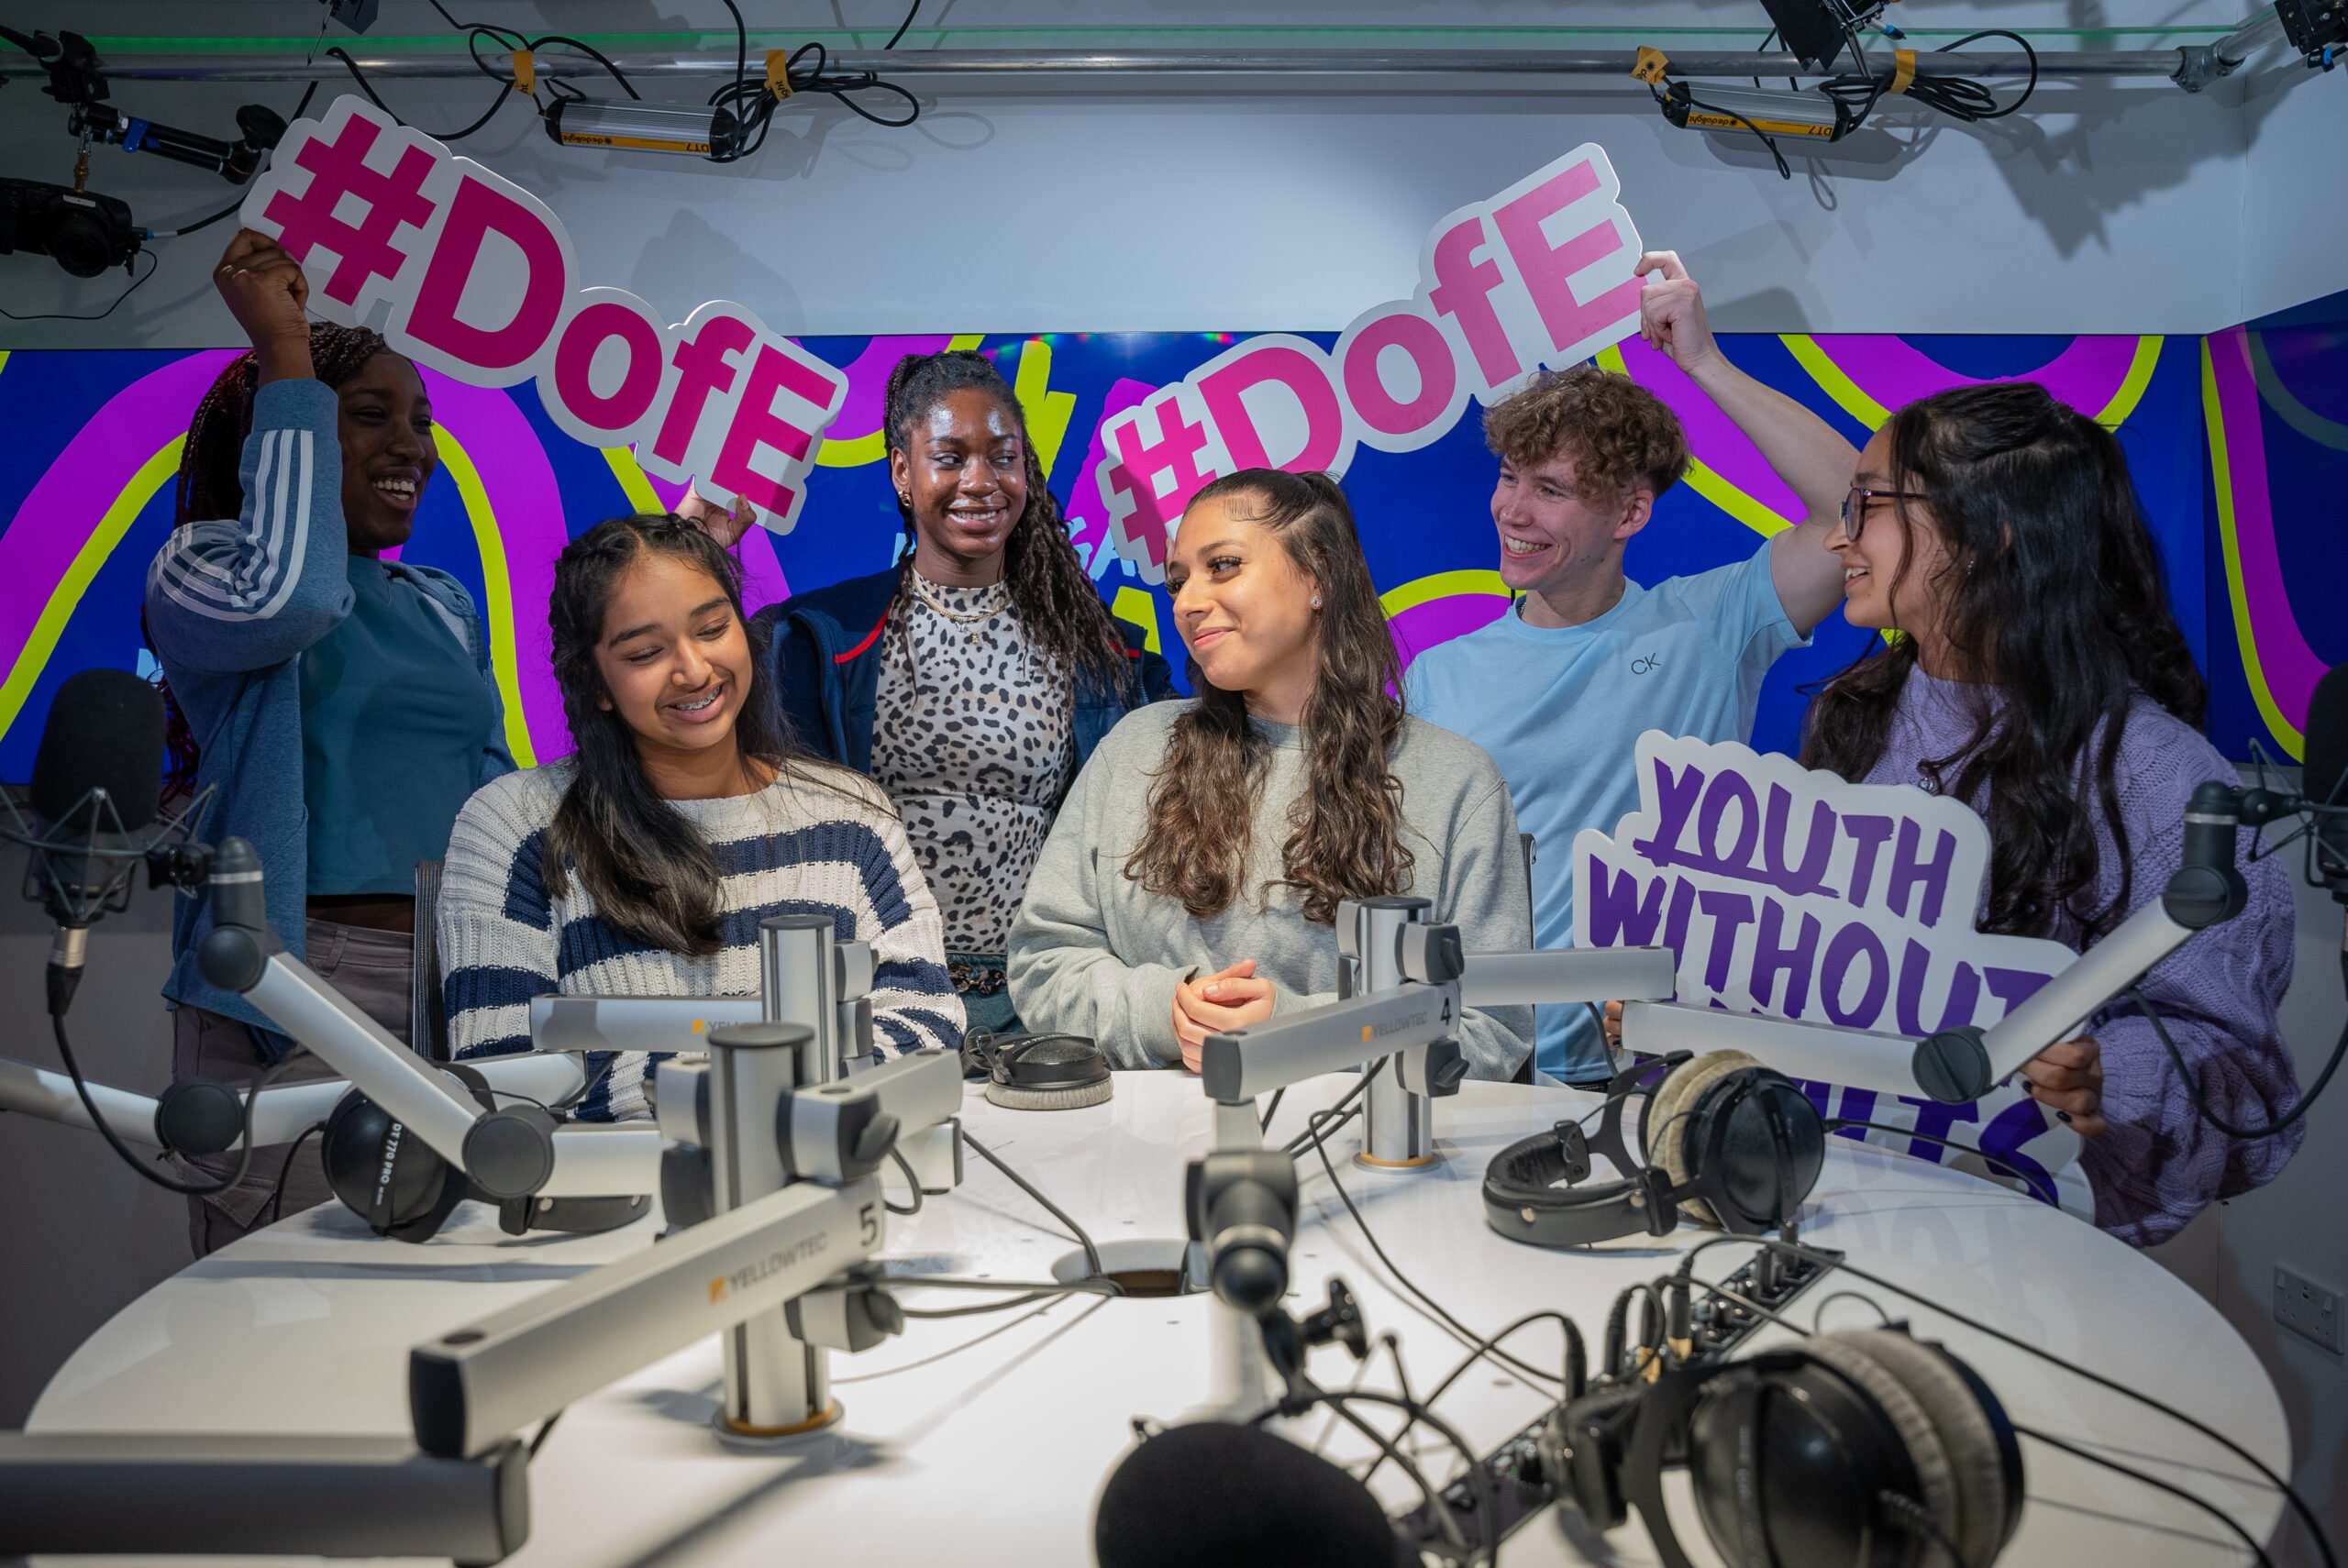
point(792, 848)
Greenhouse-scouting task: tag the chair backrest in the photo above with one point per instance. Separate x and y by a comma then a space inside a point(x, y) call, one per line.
point(428, 1021)
point(1524, 847)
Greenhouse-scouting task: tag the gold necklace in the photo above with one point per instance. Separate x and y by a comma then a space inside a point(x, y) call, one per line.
point(973, 619)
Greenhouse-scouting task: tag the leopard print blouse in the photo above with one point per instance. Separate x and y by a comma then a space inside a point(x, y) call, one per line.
point(972, 739)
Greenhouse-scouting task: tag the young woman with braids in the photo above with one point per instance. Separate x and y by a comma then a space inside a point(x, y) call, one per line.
point(1192, 879)
point(973, 678)
point(642, 863)
point(2042, 678)
point(342, 703)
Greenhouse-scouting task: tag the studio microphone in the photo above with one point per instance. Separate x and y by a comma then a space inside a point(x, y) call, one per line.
point(97, 779)
point(1237, 1496)
point(2322, 779)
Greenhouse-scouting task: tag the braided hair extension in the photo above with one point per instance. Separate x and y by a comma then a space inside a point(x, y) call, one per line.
point(208, 486)
point(1053, 598)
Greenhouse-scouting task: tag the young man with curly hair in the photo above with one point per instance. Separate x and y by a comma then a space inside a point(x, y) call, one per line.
point(1559, 688)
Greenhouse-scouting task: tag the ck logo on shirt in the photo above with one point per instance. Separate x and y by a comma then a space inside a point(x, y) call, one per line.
point(1647, 662)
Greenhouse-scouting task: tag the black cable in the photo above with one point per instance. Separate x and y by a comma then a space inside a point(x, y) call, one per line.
point(1272, 1110)
point(1092, 1253)
point(1480, 1483)
point(299, 110)
point(545, 1429)
point(1837, 1124)
point(2256, 1550)
point(503, 93)
point(2298, 1505)
point(517, 43)
point(155, 263)
point(912, 1181)
point(1959, 97)
point(806, 69)
point(2193, 1090)
point(1309, 1137)
point(579, 1095)
point(191, 1189)
point(1467, 1336)
point(1919, 1520)
point(293, 1153)
point(1576, 1377)
point(910, 12)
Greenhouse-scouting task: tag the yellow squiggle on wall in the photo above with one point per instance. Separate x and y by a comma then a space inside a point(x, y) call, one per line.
point(33, 657)
point(497, 582)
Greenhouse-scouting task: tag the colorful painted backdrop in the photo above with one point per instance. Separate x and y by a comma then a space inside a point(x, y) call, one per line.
point(2237, 443)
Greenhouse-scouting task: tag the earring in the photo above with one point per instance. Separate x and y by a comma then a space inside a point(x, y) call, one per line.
point(1316, 602)
point(904, 498)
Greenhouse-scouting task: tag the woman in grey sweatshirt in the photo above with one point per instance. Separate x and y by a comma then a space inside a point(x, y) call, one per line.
point(1191, 881)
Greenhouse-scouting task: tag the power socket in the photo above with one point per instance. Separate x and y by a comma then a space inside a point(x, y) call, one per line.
point(2307, 1309)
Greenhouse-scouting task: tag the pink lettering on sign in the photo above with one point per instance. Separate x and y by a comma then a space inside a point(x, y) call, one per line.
point(1537, 276)
point(583, 338)
point(536, 268)
point(788, 399)
point(485, 295)
point(340, 177)
point(1547, 270)
point(1301, 374)
point(1463, 291)
point(1147, 480)
point(1419, 341)
point(704, 366)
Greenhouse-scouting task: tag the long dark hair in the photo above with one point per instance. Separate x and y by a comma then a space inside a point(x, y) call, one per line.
point(650, 871)
point(1054, 599)
point(2052, 597)
point(1345, 826)
point(210, 462)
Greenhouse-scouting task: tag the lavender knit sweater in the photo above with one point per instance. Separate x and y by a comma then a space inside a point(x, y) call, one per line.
point(2159, 1163)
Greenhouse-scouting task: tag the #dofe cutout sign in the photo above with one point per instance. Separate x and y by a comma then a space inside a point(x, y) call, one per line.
point(1537, 277)
point(1792, 893)
point(475, 276)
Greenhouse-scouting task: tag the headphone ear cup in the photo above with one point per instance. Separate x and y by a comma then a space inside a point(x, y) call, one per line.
point(1671, 1120)
point(401, 1189)
point(1985, 1461)
point(1760, 1144)
point(1852, 1353)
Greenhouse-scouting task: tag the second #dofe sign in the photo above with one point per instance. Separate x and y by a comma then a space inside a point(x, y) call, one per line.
point(1790, 892)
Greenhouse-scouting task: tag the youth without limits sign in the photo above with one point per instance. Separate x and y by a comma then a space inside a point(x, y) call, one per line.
point(1791, 893)
point(1538, 277)
point(477, 279)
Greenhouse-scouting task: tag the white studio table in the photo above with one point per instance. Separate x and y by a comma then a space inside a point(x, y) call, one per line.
point(986, 1439)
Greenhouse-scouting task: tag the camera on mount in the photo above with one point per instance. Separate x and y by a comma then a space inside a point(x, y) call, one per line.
point(85, 233)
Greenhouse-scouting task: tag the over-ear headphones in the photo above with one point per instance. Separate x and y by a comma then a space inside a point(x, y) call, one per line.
point(1038, 1072)
point(1726, 1140)
point(1859, 1449)
point(404, 1190)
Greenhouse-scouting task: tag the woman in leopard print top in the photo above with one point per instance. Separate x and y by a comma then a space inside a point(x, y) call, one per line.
point(973, 678)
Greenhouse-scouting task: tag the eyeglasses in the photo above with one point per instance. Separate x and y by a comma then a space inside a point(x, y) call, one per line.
point(1854, 506)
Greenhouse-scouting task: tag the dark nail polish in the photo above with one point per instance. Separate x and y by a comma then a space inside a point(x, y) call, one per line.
point(2062, 1116)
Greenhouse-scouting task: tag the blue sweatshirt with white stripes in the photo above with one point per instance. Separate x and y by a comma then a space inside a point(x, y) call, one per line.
point(231, 606)
point(828, 843)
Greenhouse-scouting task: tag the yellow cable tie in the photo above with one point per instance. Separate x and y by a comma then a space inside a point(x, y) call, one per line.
point(1650, 66)
point(778, 74)
point(525, 71)
point(1903, 70)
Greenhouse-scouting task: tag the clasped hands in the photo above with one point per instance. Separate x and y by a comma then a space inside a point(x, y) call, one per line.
point(1210, 1004)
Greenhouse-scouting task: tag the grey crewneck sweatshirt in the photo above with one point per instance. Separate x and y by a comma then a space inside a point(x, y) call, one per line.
point(1093, 954)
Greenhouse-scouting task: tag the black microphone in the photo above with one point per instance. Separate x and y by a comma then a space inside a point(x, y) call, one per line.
point(97, 779)
point(1236, 1496)
point(2320, 782)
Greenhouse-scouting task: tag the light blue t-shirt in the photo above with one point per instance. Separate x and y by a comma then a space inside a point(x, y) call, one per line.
point(1561, 709)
